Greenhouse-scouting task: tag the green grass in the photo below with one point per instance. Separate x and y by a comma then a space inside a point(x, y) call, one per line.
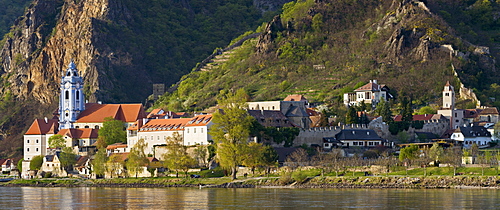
point(448, 171)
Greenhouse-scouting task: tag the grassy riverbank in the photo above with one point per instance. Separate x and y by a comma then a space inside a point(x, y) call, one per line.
point(433, 177)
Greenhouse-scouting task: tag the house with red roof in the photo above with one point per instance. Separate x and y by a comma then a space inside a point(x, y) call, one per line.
point(82, 140)
point(37, 137)
point(371, 93)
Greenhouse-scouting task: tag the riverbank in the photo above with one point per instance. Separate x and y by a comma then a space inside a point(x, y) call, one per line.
point(414, 182)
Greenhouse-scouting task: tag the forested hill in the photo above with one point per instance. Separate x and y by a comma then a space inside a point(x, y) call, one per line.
point(324, 48)
point(121, 48)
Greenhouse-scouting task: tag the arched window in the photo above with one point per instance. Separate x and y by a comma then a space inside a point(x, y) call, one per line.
point(96, 127)
point(66, 95)
point(77, 95)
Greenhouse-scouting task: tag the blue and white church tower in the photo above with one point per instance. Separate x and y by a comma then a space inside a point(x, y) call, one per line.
point(72, 99)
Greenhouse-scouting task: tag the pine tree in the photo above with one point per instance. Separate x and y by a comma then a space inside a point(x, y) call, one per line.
point(352, 116)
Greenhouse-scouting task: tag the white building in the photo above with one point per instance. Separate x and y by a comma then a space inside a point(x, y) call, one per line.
point(194, 131)
point(37, 137)
point(371, 93)
point(470, 135)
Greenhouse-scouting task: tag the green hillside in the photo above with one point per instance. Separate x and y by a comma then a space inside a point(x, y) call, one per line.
point(9, 11)
point(323, 49)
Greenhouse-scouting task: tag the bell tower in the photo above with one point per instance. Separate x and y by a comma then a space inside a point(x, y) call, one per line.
point(72, 99)
point(448, 96)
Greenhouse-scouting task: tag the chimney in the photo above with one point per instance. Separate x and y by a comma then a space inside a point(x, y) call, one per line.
point(375, 81)
point(46, 120)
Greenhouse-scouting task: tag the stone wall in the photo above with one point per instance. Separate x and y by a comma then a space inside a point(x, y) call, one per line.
point(315, 135)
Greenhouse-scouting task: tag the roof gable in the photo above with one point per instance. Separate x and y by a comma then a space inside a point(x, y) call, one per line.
point(43, 126)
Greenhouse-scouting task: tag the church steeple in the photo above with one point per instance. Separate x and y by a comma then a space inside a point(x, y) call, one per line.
point(72, 99)
point(448, 96)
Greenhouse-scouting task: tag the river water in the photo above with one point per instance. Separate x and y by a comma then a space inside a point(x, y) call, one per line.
point(254, 198)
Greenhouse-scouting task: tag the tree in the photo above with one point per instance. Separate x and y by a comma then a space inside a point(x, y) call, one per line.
point(136, 158)
point(57, 141)
point(231, 130)
point(67, 158)
point(384, 110)
point(36, 162)
point(112, 131)
point(255, 156)
point(408, 154)
point(270, 158)
point(387, 160)
point(426, 110)
point(20, 165)
point(436, 153)
point(99, 163)
point(299, 157)
point(453, 157)
point(114, 165)
point(351, 116)
point(177, 158)
point(405, 110)
point(200, 154)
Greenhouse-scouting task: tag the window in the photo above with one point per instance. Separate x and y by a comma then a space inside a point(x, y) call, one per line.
point(86, 126)
point(28, 141)
point(37, 141)
point(77, 95)
point(194, 130)
point(447, 94)
point(355, 143)
point(201, 130)
point(158, 138)
point(36, 149)
point(96, 127)
point(187, 130)
point(66, 95)
point(27, 149)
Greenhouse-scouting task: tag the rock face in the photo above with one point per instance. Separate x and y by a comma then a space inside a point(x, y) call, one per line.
point(37, 54)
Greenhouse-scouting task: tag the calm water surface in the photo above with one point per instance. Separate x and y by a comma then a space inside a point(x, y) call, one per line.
point(208, 198)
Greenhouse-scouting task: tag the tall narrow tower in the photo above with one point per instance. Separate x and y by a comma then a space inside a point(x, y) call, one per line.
point(72, 99)
point(448, 96)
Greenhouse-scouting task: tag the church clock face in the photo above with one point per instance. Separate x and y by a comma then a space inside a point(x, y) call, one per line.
point(67, 85)
point(77, 85)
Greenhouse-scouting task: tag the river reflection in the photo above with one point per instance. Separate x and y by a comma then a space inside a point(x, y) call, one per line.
point(209, 198)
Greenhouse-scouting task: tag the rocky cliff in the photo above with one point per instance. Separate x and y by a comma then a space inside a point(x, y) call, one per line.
point(120, 47)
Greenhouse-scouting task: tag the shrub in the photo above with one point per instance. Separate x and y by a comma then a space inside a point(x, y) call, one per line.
point(47, 175)
point(285, 178)
point(299, 176)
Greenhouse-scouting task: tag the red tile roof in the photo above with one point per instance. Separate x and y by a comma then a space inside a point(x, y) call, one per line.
point(295, 97)
point(42, 126)
point(164, 124)
point(96, 113)
point(369, 87)
point(116, 146)
point(80, 133)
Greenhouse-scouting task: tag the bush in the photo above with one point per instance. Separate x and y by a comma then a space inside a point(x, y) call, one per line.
point(299, 176)
point(285, 178)
point(47, 175)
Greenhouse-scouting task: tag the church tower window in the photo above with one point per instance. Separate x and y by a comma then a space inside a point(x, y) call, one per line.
point(66, 95)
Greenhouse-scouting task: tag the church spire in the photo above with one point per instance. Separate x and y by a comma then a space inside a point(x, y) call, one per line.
point(72, 99)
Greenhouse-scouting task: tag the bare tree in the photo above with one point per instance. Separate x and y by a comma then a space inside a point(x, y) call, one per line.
point(298, 158)
point(387, 160)
point(453, 157)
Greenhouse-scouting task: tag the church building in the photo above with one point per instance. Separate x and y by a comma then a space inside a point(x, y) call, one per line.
point(78, 122)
